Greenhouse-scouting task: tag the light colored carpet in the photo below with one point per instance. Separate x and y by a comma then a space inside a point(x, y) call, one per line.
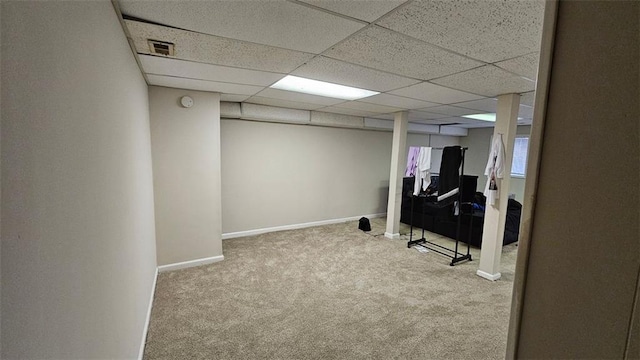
point(331, 292)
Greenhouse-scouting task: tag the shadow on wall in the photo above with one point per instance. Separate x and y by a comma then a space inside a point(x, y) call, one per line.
point(383, 196)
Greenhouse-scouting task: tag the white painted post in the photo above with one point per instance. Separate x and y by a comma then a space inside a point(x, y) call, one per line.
point(495, 216)
point(398, 158)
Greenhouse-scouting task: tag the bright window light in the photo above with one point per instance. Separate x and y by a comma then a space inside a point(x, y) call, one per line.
point(321, 88)
point(483, 117)
point(519, 163)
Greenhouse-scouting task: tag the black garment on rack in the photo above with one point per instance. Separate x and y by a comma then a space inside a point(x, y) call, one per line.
point(449, 178)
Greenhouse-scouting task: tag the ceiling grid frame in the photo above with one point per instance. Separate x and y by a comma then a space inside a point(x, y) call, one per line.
point(353, 73)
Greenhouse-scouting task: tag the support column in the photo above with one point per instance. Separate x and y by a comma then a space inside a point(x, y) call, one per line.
point(398, 157)
point(496, 216)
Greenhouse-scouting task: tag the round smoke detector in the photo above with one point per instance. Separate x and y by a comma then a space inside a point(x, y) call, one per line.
point(186, 101)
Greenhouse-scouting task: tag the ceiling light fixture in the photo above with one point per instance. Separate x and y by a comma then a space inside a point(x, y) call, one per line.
point(321, 88)
point(483, 117)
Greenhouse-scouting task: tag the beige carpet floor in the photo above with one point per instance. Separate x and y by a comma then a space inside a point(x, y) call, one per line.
point(331, 292)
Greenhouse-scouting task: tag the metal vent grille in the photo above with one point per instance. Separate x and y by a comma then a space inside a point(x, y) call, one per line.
point(160, 47)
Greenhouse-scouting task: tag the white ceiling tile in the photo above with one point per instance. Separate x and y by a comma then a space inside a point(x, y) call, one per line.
point(485, 30)
point(420, 121)
point(346, 111)
point(372, 108)
point(282, 103)
point(477, 124)
point(203, 85)
point(435, 93)
point(216, 50)
point(526, 66)
point(397, 101)
point(385, 50)
point(360, 9)
point(450, 110)
point(423, 115)
point(298, 97)
point(527, 98)
point(425, 121)
point(375, 58)
point(450, 122)
point(282, 24)
point(457, 120)
point(384, 116)
point(487, 105)
point(234, 97)
point(158, 65)
point(340, 72)
point(525, 112)
point(487, 80)
point(443, 122)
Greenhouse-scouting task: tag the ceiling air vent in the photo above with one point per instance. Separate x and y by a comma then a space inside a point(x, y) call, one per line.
point(161, 47)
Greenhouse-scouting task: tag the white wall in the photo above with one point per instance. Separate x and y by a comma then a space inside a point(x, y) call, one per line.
point(78, 244)
point(582, 270)
point(0, 191)
point(479, 141)
point(281, 174)
point(186, 174)
point(276, 174)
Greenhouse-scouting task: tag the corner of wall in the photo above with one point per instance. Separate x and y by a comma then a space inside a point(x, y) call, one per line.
point(185, 145)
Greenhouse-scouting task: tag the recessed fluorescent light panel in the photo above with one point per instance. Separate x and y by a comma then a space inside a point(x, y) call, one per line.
point(483, 117)
point(321, 88)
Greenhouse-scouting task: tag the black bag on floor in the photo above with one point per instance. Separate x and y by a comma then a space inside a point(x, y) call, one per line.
point(364, 224)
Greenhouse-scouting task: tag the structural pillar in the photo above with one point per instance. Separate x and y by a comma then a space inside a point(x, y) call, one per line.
point(496, 216)
point(398, 157)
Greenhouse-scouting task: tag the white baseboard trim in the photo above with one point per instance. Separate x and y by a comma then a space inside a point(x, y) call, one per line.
point(146, 322)
point(296, 226)
point(392, 236)
point(190, 263)
point(486, 275)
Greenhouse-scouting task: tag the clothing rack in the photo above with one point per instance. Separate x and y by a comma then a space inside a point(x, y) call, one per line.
point(455, 255)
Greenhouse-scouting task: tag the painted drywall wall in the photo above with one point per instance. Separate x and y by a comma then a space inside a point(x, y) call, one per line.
point(78, 244)
point(282, 174)
point(479, 141)
point(582, 273)
point(277, 174)
point(0, 187)
point(185, 145)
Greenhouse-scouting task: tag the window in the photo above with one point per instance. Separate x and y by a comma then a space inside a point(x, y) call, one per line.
point(519, 164)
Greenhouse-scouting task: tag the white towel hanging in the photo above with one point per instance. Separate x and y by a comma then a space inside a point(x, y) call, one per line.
point(423, 177)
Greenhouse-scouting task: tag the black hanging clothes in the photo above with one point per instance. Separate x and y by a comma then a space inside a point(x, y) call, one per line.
point(449, 177)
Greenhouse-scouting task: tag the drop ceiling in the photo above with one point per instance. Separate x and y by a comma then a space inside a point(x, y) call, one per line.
point(439, 60)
